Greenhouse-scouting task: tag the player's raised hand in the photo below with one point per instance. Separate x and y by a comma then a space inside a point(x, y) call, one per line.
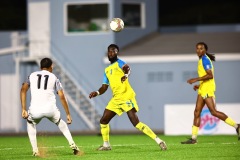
point(24, 114)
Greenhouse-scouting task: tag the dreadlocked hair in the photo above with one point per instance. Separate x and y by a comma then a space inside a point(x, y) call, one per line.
point(211, 56)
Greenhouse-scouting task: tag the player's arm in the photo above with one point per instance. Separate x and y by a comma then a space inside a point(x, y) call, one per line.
point(126, 69)
point(23, 97)
point(207, 65)
point(207, 76)
point(100, 91)
point(64, 103)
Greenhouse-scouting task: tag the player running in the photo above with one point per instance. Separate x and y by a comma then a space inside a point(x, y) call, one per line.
point(206, 89)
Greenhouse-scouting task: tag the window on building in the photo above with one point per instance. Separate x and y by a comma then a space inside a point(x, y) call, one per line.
point(186, 75)
point(86, 17)
point(160, 76)
point(133, 14)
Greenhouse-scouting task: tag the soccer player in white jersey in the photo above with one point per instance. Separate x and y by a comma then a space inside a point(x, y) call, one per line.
point(42, 85)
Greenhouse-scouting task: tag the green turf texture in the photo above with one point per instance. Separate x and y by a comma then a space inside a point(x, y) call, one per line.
point(124, 147)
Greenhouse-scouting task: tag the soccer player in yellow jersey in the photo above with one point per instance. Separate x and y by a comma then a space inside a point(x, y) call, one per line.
point(206, 89)
point(123, 99)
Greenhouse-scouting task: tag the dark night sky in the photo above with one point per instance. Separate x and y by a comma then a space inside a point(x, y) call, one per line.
point(193, 12)
point(13, 13)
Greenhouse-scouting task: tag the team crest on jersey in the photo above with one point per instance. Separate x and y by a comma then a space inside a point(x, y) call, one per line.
point(208, 66)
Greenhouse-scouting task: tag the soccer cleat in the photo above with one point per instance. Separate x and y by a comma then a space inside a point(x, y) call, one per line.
point(75, 149)
point(163, 146)
point(238, 131)
point(36, 154)
point(102, 148)
point(190, 141)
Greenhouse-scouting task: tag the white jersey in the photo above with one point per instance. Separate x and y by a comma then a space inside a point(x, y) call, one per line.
point(43, 84)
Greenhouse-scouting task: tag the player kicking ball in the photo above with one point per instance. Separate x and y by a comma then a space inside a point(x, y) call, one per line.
point(42, 85)
point(123, 100)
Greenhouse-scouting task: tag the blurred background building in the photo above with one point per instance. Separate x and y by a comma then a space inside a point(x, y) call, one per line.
point(158, 42)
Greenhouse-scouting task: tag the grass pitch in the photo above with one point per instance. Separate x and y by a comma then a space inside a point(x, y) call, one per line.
point(124, 147)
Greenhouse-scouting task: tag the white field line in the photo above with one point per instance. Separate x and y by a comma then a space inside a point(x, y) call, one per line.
point(38, 147)
point(120, 145)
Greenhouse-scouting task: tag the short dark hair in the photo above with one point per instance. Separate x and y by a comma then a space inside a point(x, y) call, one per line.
point(113, 45)
point(46, 63)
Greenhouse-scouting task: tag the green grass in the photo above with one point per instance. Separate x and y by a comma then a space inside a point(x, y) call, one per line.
point(124, 147)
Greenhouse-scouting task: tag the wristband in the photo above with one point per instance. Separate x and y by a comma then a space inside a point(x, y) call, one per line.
point(126, 75)
point(97, 93)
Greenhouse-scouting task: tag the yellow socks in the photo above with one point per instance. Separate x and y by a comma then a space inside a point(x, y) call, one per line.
point(145, 129)
point(231, 122)
point(194, 132)
point(105, 129)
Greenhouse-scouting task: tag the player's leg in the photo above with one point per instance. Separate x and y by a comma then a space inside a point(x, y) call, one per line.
point(105, 129)
point(210, 101)
point(144, 128)
point(196, 121)
point(55, 118)
point(32, 133)
point(197, 116)
point(64, 129)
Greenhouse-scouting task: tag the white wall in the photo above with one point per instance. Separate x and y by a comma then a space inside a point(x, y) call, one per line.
point(10, 109)
point(39, 28)
point(178, 119)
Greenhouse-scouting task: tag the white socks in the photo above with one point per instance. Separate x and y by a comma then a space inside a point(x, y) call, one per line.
point(31, 128)
point(32, 134)
point(106, 144)
point(158, 140)
point(64, 129)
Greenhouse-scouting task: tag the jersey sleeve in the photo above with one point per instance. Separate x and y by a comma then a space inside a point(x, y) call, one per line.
point(27, 80)
point(58, 85)
point(121, 63)
point(206, 63)
point(105, 79)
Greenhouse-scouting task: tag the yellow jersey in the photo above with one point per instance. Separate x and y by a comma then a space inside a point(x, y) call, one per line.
point(205, 64)
point(121, 90)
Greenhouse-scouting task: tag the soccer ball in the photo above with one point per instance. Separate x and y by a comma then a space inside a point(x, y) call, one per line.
point(116, 24)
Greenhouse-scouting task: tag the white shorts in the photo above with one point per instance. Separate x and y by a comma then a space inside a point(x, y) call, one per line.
point(35, 117)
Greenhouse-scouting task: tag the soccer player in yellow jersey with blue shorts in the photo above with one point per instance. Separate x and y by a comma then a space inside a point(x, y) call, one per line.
point(123, 99)
point(206, 89)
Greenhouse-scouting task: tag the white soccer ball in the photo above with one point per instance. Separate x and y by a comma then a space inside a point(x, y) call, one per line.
point(116, 24)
